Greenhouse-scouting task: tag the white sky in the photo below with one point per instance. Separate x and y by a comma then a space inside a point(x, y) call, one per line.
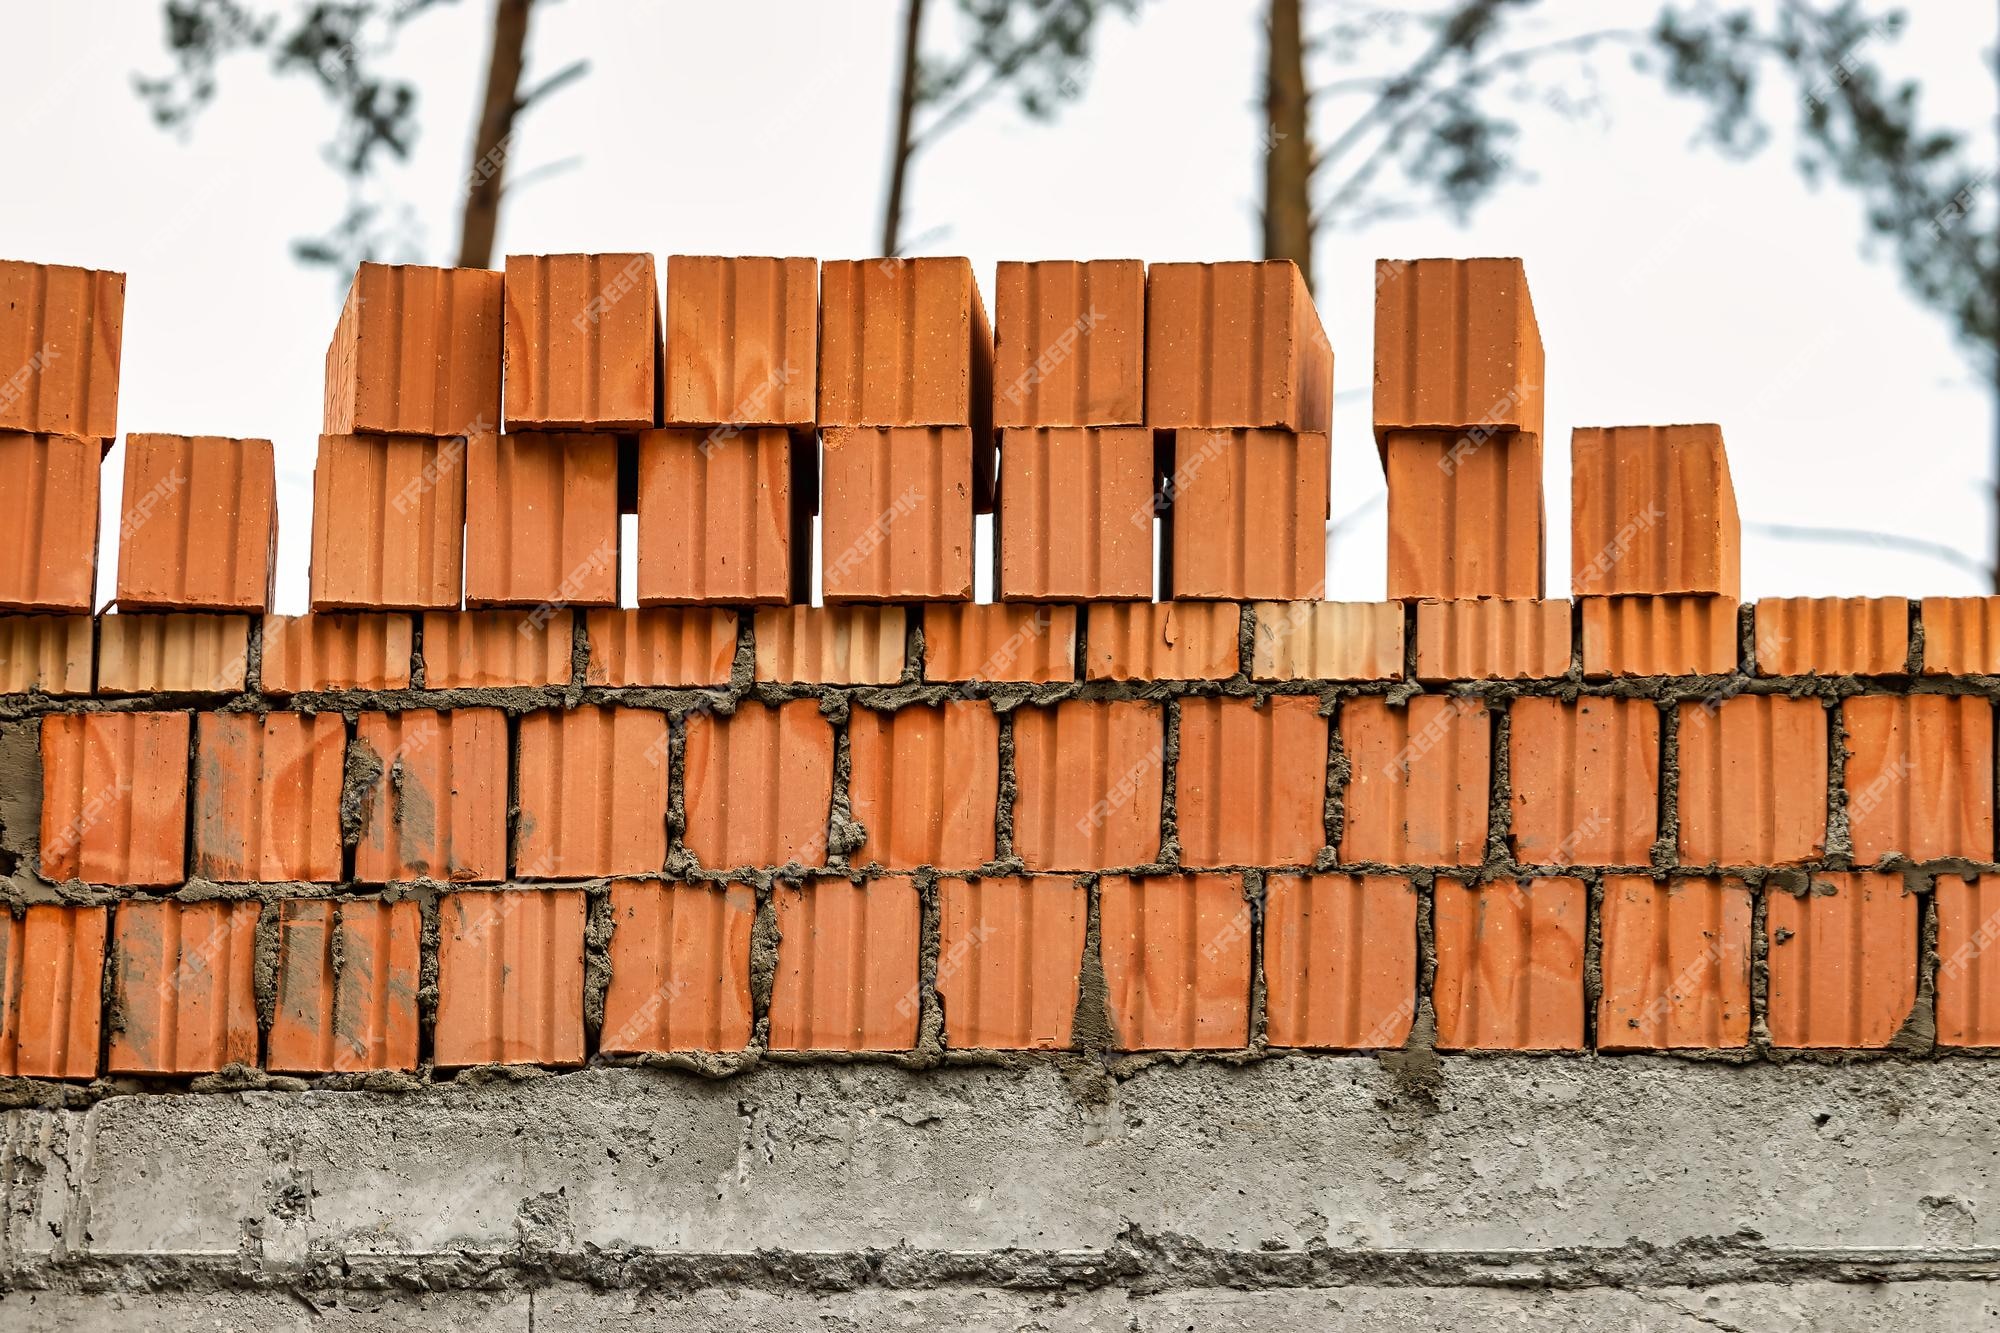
point(1671, 285)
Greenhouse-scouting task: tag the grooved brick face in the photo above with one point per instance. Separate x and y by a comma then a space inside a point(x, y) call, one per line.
point(1235, 345)
point(541, 520)
point(417, 352)
point(1510, 964)
point(437, 806)
point(1492, 638)
point(582, 341)
point(186, 654)
point(896, 515)
point(925, 784)
point(847, 966)
point(1658, 636)
point(1340, 960)
point(114, 797)
point(718, 519)
point(200, 524)
point(1753, 781)
point(1836, 636)
point(388, 523)
point(510, 978)
point(1676, 964)
point(336, 652)
point(1249, 514)
point(346, 986)
point(51, 974)
point(48, 555)
point(52, 654)
point(1961, 635)
point(661, 646)
point(1000, 642)
point(1968, 976)
point(904, 342)
point(1176, 951)
point(267, 796)
point(1419, 780)
point(1653, 512)
point(832, 645)
point(1465, 515)
point(1919, 776)
point(481, 649)
point(1088, 776)
point(680, 967)
point(182, 999)
point(1585, 779)
point(1069, 343)
point(1456, 346)
point(61, 332)
point(1328, 641)
point(1010, 958)
point(742, 341)
point(759, 785)
point(1164, 641)
point(593, 793)
point(1076, 513)
point(1843, 961)
point(1251, 781)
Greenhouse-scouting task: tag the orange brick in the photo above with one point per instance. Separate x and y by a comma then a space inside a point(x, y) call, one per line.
point(114, 797)
point(1248, 517)
point(1069, 343)
point(1235, 345)
point(1340, 960)
point(267, 796)
point(388, 520)
point(1000, 642)
point(1088, 777)
point(582, 341)
point(1465, 515)
point(1164, 641)
point(1961, 636)
point(742, 341)
point(593, 793)
point(200, 524)
point(1251, 781)
point(417, 352)
point(195, 653)
point(666, 645)
point(896, 514)
point(347, 986)
point(680, 968)
point(46, 654)
point(1510, 965)
point(904, 342)
point(1456, 346)
point(1419, 780)
point(1834, 636)
point(51, 974)
point(1176, 953)
point(182, 999)
point(1843, 961)
point(541, 520)
point(469, 650)
point(1753, 781)
point(1658, 636)
point(832, 645)
point(437, 808)
point(336, 652)
point(1076, 514)
point(61, 334)
point(510, 978)
point(721, 520)
point(1654, 512)
point(1968, 976)
point(847, 966)
point(759, 785)
point(1492, 638)
point(1919, 776)
point(1676, 964)
point(48, 559)
point(1586, 781)
point(1010, 955)
point(925, 784)
point(1328, 641)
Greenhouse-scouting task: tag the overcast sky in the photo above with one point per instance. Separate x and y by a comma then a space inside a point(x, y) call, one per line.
point(1671, 285)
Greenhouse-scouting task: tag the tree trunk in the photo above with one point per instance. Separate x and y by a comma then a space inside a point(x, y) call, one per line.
point(906, 114)
point(481, 221)
point(1288, 150)
point(1996, 395)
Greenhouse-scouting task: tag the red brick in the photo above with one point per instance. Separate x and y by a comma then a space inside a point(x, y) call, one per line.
point(417, 352)
point(1492, 638)
point(48, 559)
point(1010, 958)
point(1069, 343)
point(896, 515)
point(468, 650)
point(1834, 636)
point(1340, 960)
point(831, 645)
point(347, 986)
point(742, 341)
point(1456, 346)
point(195, 653)
point(1235, 345)
point(1753, 781)
point(925, 784)
point(388, 523)
point(1248, 518)
point(1419, 782)
point(336, 652)
point(998, 641)
point(114, 797)
point(1510, 965)
point(1919, 776)
point(182, 998)
point(661, 646)
point(267, 796)
point(1676, 964)
point(847, 966)
point(720, 520)
point(1843, 961)
point(680, 968)
point(1586, 780)
point(51, 978)
point(592, 793)
point(904, 342)
point(437, 808)
point(1968, 976)
point(1961, 636)
point(582, 342)
point(45, 654)
point(1176, 952)
point(1088, 777)
point(541, 520)
point(61, 334)
point(200, 524)
point(1465, 515)
point(1328, 641)
point(759, 785)
point(1653, 512)
point(1658, 636)
point(1076, 514)
point(1251, 781)
point(1164, 641)
point(510, 978)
